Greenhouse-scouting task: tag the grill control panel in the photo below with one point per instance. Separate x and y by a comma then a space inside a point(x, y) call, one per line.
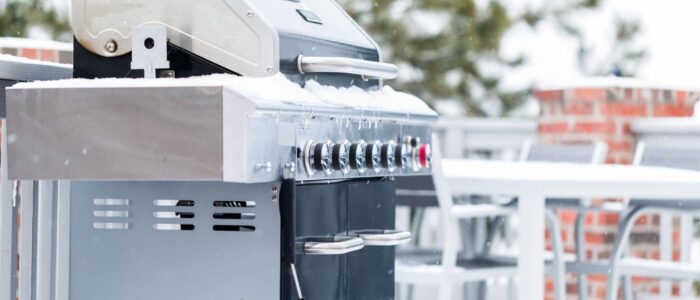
point(327, 158)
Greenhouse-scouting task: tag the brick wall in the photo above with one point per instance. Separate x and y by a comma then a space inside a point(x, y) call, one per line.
point(50, 55)
point(598, 112)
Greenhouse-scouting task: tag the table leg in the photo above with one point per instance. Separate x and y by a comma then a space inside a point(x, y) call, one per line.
point(531, 211)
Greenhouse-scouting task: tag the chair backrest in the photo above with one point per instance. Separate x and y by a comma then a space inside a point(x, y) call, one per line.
point(675, 156)
point(571, 153)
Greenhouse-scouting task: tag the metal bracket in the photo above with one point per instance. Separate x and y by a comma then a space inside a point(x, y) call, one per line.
point(149, 46)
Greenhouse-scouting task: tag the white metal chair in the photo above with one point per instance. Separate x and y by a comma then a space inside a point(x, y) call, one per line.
point(621, 266)
point(448, 268)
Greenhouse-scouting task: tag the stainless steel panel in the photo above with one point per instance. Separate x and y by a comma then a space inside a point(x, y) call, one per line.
point(136, 133)
point(141, 262)
point(185, 133)
point(31, 71)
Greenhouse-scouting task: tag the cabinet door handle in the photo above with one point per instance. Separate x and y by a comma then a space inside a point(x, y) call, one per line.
point(383, 237)
point(332, 245)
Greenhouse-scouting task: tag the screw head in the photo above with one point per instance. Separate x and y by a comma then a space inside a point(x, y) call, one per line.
point(250, 14)
point(111, 46)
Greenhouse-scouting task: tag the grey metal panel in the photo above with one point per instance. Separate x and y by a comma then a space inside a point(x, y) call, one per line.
point(153, 133)
point(32, 71)
point(143, 263)
point(671, 156)
point(44, 240)
point(3, 84)
point(26, 253)
point(676, 156)
point(578, 153)
point(6, 225)
point(62, 256)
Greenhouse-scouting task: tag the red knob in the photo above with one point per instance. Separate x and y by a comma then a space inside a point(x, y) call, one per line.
point(424, 155)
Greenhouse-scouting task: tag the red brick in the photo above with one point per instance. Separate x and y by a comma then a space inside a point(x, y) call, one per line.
point(676, 255)
point(680, 97)
point(642, 220)
point(28, 53)
point(597, 277)
point(600, 293)
point(623, 109)
point(589, 94)
point(676, 289)
point(48, 55)
point(597, 238)
point(567, 216)
point(614, 146)
point(549, 285)
point(578, 109)
point(654, 254)
point(608, 218)
point(672, 110)
point(548, 95)
point(555, 127)
point(640, 279)
point(607, 127)
point(590, 219)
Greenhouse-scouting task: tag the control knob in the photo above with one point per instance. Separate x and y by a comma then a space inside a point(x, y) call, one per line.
point(317, 157)
point(340, 156)
point(357, 156)
point(403, 156)
point(388, 156)
point(373, 156)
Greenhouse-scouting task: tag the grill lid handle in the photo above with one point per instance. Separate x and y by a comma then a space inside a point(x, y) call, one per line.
point(344, 65)
point(335, 245)
point(383, 237)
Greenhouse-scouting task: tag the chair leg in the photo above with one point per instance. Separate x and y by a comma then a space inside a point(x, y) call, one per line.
point(410, 289)
point(559, 268)
point(579, 231)
point(416, 225)
point(627, 292)
point(623, 232)
point(493, 227)
point(449, 257)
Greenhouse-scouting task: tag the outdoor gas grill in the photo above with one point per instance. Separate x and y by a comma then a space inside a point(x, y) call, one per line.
point(272, 180)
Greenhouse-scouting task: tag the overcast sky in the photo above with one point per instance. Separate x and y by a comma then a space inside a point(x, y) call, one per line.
point(669, 35)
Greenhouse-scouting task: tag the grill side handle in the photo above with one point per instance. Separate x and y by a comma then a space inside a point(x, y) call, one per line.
point(345, 65)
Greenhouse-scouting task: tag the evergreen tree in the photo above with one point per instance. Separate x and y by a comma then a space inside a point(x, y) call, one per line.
point(21, 15)
point(447, 47)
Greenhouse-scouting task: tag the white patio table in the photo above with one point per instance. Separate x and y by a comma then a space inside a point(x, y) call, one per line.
point(533, 182)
